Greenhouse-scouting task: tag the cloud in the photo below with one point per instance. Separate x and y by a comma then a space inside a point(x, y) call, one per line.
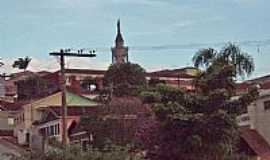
point(52, 64)
point(142, 2)
point(246, 3)
point(192, 22)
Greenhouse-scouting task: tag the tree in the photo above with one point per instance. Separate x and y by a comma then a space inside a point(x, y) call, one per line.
point(1, 63)
point(124, 79)
point(187, 125)
point(231, 54)
point(115, 123)
point(22, 63)
point(97, 130)
point(33, 87)
point(74, 153)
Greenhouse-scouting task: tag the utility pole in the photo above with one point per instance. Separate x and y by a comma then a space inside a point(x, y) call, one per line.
point(62, 54)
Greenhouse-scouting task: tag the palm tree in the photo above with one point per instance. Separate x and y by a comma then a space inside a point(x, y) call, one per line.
point(22, 63)
point(231, 54)
point(1, 63)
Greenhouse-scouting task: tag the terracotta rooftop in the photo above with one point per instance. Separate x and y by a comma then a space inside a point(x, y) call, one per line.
point(182, 73)
point(84, 71)
point(256, 142)
point(162, 73)
point(8, 106)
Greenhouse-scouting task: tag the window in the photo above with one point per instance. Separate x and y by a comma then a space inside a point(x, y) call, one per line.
point(267, 105)
point(11, 121)
point(47, 131)
point(84, 145)
point(56, 129)
point(51, 130)
point(27, 138)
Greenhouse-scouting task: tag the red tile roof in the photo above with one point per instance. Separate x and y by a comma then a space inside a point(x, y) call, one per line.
point(85, 71)
point(170, 73)
point(162, 73)
point(261, 79)
point(6, 133)
point(265, 85)
point(8, 106)
point(257, 143)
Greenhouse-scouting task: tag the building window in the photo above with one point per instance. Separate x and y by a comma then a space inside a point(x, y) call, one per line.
point(56, 129)
point(47, 131)
point(267, 105)
point(84, 145)
point(27, 138)
point(11, 121)
point(51, 130)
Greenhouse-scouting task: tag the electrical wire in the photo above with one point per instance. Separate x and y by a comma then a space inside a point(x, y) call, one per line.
point(251, 43)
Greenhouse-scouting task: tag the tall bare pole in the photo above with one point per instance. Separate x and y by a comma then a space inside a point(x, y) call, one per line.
point(62, 55)
point(64, 102)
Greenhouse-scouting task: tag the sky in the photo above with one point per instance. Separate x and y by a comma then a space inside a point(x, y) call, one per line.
point(36, 27)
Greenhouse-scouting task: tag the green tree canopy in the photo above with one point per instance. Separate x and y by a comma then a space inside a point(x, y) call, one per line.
point(22, 63)
point(124, 78)
point(1, 63)
point(231, 54)
point(201, 123)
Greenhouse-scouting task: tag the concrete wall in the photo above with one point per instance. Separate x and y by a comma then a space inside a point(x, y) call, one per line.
point(6, 118)
point(260, 118)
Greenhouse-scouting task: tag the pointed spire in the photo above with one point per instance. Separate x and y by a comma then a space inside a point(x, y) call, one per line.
point(118, 27)
point(119, 38)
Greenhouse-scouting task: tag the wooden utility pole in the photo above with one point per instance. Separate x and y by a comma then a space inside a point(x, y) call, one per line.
point(62, 54)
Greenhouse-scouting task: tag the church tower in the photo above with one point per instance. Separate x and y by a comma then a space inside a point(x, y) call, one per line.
point(119, 51)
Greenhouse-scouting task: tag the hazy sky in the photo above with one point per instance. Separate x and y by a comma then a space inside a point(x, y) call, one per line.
point(36, 27)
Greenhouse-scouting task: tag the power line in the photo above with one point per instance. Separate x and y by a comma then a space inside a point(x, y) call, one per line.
point(251, 43)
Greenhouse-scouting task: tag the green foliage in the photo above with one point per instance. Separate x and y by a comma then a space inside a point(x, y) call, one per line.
point(97, 127)
point(124, 78)
point(22, 63)
point(73, 153)
point(1, 63)
point(153, 82)
point(33, 87)
point(231, 55)
point(201, 123)
point(115, 122)
point(150, 96)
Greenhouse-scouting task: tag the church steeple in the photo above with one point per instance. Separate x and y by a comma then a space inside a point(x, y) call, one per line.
point(119, 52)
point(119, 39)
point(118, 27)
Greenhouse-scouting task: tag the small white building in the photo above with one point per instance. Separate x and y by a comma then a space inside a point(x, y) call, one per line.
point(258, 115)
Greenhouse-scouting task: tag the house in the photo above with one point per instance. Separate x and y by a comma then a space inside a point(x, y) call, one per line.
point(11, 89)
point(254, 124)
point(32, 119)
point(89, 82)
point(8, 111)
point(258, 115)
